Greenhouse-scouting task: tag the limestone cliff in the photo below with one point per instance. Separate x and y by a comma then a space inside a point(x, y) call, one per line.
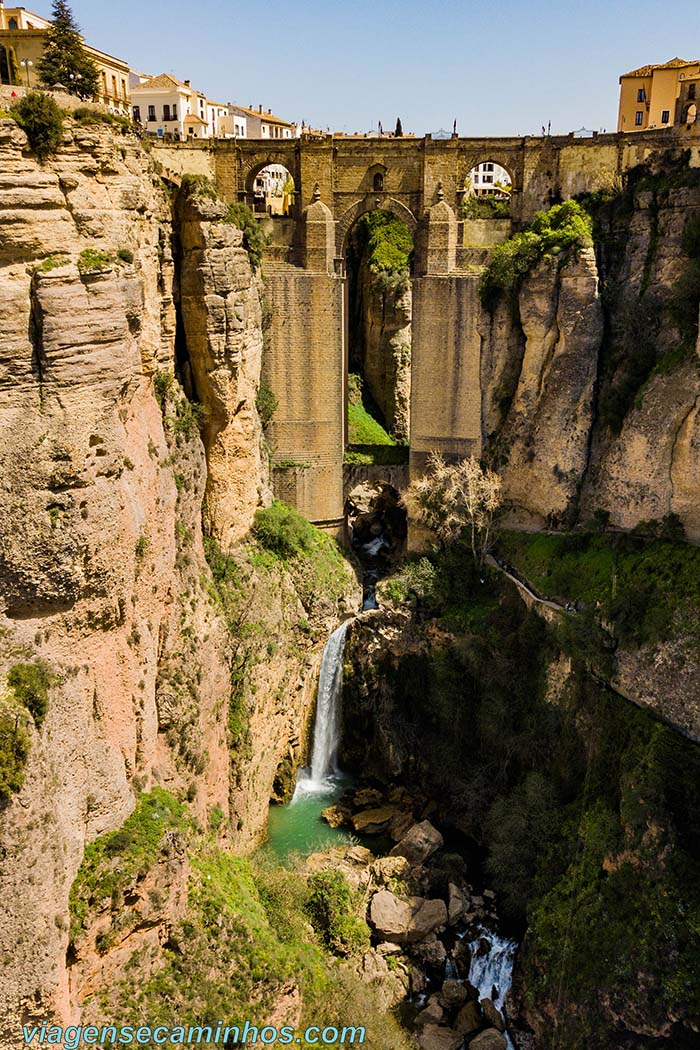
point(590, 379)
point(386, 359)
point(117, 352)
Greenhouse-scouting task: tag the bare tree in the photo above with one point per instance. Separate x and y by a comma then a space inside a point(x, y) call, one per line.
point(454, 497)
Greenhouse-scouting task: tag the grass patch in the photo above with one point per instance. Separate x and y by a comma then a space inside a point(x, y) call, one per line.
point(639, 586)
point(86, 117)
point(51, 262)
point(113, 862)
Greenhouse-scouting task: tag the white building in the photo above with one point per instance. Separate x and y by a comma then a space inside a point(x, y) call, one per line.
point(172, 108)
point(261, 123)
point(488, 179)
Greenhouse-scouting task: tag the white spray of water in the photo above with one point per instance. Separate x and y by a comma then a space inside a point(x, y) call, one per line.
point(491, 971)
point(324, 757)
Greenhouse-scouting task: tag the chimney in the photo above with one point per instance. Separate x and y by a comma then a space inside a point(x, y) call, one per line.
point(260, 108)
point(187, 83)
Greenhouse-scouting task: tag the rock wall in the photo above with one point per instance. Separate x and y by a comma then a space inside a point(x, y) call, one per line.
point(386, 352)
point(102, 566)
point(590, 382)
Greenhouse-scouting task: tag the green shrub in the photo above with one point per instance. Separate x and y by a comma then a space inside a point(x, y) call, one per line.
point(254, 238)
point(51, 262)
point(87, 117)
point(126, 255)
point(564, 228)
point(485, 208)
point(42, 120)
point(416, 579)
point(14, 752)
point(189, 417)
point(30, 685)
point(266, 403)
point(92, 259)
point(383, 242)
point(283, 530)
point(163, 386)
point(330, 907)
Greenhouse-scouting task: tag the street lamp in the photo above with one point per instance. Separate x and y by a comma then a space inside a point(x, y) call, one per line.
point(27, 63)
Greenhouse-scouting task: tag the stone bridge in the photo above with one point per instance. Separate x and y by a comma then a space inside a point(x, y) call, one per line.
point(422, 182)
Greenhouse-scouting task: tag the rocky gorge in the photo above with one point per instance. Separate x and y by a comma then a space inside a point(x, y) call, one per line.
point(526, 772)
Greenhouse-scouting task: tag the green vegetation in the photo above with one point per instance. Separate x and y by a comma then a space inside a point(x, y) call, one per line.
point(92, 259)
point(198, 186)
point(266, 403)
point(188, 417)
point(331, 908)
point(643, 589)
point(30, 686)
point(384, 243)
point(51, 262)
point(284, 531)
point(42, 120)
point(313, 558)
point(14, 751)
point(415, 581)
point(563, 229)
point(125, 255)
point(368, 441)
point(254, 238)
point(115, 861)
point(91, 117)
point(588, 807)
point(485, 208)
point(64, 60)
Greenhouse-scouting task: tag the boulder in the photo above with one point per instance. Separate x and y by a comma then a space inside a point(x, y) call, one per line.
point(367, 797)
point(386, 868)
point(373, 821)
point(390, 916)
point(427, 916)
point(492, 1014)
point(433, 1013)
point(430, 952)
point(388, 948)
point(401, 823)
point(336, 816)
point(419, 843)
point(435, 1037)
point(359, 856)
point(456, 904)
point(453, 993)
point(468, 1018)
point(488, 1040)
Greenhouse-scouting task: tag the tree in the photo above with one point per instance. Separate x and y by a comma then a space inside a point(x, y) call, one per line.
point(65, 61)
point(398, 134)
point(453, 497)
point(40, 117)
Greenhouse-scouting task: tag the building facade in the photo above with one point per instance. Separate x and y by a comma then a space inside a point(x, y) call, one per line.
point(650, 97)
point(261, 123)
point(488, 180)
point(22, 37)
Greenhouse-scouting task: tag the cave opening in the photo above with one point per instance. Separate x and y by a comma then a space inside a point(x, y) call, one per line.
point(378, 264)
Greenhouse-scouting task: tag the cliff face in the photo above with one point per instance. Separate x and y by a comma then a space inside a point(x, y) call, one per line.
point(591, 381)
point(103, 574)
point(386, 359)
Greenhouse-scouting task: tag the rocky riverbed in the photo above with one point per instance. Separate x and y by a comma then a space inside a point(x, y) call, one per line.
point(432, 932)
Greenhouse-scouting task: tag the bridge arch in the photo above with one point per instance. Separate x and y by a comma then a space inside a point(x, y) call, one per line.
point(371, 203)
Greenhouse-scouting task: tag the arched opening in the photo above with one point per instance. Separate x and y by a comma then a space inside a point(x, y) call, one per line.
point(377, 528)
point(487, 191)
point(270, 190)
point(378, 259)
point(378, 182)
point(691, 114)
point(9, 67)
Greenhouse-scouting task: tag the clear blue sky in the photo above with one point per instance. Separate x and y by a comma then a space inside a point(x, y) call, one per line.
point(500, 66)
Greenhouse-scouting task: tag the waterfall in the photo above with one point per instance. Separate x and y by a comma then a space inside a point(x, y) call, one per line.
point(491, 971)
point(327, 725)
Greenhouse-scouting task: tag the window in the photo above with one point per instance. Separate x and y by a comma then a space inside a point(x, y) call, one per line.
point(12, 24)
point(114, 87)
point(137, 114)
point(638, 118)
point(488, 167)
point(124, 94)
point(665, 116)
point(151, 112)
point(691, 90)
point(174, 112)
point(641, 95)
point(166, 112)
point(488, 178)
point(379, 182)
